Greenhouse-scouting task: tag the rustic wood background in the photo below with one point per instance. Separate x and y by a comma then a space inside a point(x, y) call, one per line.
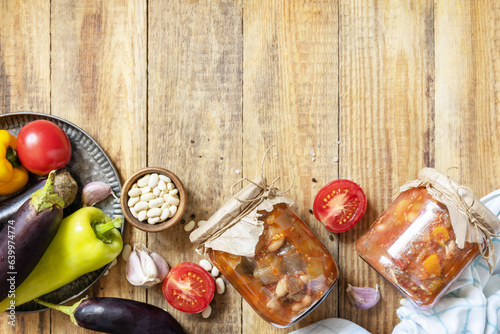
point(378, 89)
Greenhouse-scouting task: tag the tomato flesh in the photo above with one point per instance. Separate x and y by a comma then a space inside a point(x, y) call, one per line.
point(339, 205)
point(188, 287)
point(43, 146)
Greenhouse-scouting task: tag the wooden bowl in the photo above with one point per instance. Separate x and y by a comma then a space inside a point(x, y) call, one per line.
point(144, 226)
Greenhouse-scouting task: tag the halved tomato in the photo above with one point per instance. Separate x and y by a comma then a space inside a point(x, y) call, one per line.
point(188, 287)
point(339, 205)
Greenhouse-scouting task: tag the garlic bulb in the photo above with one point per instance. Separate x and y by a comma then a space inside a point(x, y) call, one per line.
point(146, 268)
point(363, 297)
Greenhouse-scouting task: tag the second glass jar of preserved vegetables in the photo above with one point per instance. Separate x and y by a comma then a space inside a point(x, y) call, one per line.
point(414, 244)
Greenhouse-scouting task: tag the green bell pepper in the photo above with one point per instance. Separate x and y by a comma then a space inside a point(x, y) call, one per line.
point(86, 241)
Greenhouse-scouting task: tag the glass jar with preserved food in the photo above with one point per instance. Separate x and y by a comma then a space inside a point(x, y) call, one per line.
point(414, 246)
point(289, 275)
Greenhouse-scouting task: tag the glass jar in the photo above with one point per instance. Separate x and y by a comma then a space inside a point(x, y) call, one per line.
point(412, 245)
point(290, 274)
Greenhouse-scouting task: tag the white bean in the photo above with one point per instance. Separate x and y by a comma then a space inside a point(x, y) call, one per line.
point(134, 186)
point(165, 178)
point(142, 182)
point(201, 223)
point(170, 186)
point(139, 206)
point(165, 213)
point(147, 197)
point(206, 312)
point(153, 180)
point(157, 191)
point(156, 203)
point(165, 205)
point(215, 271)
point(113, 263)
point(132, 201)
point(205, 264)
point(134, 213)
point(145, 190)
point(173, 200)
point(162, 185)
point(173, 192)
point(189, 226)
point(134, 192)
point(155, 212)
point(173, 210)
point(219, 284)
point(153, 220)
point(142, 215)
point(127, 249)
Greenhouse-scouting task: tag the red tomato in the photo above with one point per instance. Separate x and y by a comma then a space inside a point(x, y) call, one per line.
point(42, 146)
point(188, 287)
point(339, 205)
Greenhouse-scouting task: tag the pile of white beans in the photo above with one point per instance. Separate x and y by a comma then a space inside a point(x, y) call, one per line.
point(153, 198)
point(220, 286)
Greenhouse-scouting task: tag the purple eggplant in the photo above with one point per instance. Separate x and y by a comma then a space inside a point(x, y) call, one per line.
point(27, 236)
point(64, 184)
point(116, 315)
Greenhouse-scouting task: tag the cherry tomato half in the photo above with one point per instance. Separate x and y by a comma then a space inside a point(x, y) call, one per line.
point(339, 205)
point(188, 287)
point(43, 146)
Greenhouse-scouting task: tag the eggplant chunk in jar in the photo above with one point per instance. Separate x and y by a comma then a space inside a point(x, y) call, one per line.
point(290, 273)
point(412, 244)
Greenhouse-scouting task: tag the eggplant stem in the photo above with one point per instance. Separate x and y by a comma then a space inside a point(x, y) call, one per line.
point(47, 197)
point(69, 310)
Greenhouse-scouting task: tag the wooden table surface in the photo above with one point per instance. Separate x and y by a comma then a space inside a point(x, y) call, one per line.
point(377, 89)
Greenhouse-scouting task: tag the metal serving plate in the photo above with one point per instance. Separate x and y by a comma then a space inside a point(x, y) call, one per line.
point(88, 163)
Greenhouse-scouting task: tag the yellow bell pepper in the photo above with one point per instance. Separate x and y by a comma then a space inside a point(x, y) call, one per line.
point(13, 176)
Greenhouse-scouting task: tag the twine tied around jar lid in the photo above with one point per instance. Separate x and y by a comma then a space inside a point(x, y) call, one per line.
point(471, 220)
point(243, 206)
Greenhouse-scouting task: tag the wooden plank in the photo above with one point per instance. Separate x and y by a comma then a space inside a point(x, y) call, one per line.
point(468, 92)
point(194, 126)
point(290, 100)
point(386, 125)
point(25, 86)
point(99, 83)
point(24, 56)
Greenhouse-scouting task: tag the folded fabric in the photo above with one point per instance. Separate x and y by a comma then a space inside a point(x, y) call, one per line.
point(471, 305)
point(332, 326)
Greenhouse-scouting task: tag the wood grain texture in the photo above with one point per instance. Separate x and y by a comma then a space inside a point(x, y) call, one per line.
point(377, 89)
point(290, 100)
point(195, 127)
point(24, 56)
point(468, 93)
point(98, 82)
point(386, 125)
point(25, 86)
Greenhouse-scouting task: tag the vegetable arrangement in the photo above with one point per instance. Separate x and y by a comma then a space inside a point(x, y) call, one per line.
point(51, 251)
point(86, 240)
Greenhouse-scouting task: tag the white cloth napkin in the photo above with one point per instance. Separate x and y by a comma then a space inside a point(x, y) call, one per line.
point(471, 305)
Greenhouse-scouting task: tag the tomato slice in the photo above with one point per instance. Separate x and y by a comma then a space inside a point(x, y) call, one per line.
point(339, 205)
point(188, 287)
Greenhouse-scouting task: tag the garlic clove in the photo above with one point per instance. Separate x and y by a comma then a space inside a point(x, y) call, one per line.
point(363, 297)
point(161, 266)
point(148, 265)
point(95, 192)
point(134, 270)
point(145, 268)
